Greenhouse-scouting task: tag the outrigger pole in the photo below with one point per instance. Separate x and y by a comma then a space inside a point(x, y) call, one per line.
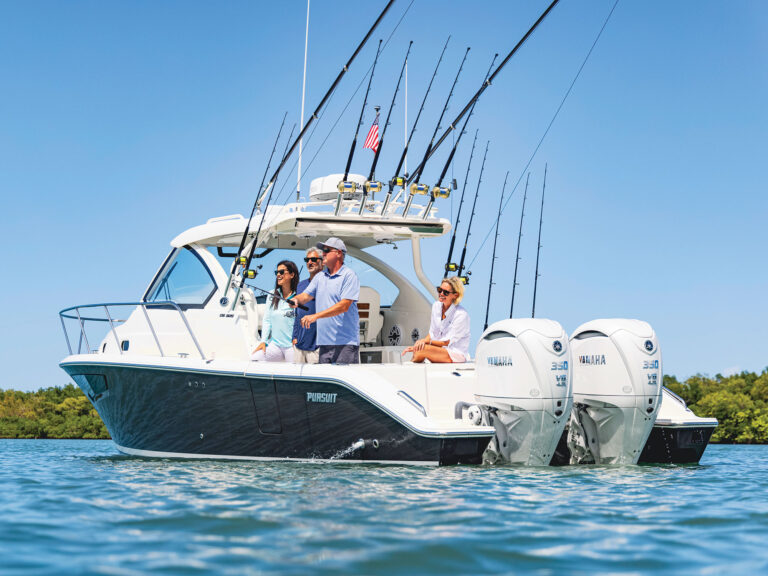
point(450, 266)
point(493, 257)
point(349, 187)
point(253, 210)
point(538, 248)
point(447, 191)
point(485, 85)
point(270, 185)
point(519, 239)
point(400, 180)
point(465, 278)
point(372, 185)
point(437, 190)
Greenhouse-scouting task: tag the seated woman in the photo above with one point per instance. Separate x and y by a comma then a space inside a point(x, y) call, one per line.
point(448, 339)
point(277, 327)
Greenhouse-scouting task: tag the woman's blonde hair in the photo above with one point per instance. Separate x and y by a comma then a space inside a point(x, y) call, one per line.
point(457, 286)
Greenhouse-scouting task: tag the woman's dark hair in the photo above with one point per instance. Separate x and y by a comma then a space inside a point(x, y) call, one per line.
point(292, 269)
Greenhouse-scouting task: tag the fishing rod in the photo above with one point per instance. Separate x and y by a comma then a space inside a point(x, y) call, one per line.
point(444, 192)
point(417, 175)
point(400, 180)
point(538, 248)
point(271, 184)
point(465, 278)
point(519, 238)
point(485, 85)
point(372, 185)
point(493, 257)
point(244, 261)
point(451, 266)
point(345, 186)
point(253, 210)
point(279, 296)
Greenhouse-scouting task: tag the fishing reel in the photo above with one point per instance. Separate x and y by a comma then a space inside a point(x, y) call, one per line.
point(451, 267)
point(465, 279)
point(372, 187)
point(251, 274)
point(242, 261)
point(397, 181)
point(441, 192)
point(420, 189)
point(346, 188)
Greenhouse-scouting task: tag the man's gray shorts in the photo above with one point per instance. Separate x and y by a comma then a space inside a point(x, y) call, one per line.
point(346, 354)
point(304, 356)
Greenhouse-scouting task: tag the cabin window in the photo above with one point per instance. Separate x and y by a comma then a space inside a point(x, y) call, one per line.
point(367, 275)
point(185, 280)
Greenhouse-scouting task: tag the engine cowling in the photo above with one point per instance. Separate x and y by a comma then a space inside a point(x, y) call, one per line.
point(523, 383)
point(617, 383)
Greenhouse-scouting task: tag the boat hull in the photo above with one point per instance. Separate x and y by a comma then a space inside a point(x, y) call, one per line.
point(154, 411)
point(676, 444)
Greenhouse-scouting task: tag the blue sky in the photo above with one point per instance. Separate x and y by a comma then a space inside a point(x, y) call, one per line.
point(122, 124)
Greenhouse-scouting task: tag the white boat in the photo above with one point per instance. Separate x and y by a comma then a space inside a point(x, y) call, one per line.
point(171, 375)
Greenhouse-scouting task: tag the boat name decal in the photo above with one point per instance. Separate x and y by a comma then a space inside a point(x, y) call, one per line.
point(499, 360)
point(322, 397)
point(592, 359)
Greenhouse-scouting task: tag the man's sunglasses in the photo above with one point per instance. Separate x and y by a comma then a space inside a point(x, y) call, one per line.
point(313, 259)
point(326, 250)
point(281, 272)
point(444, 292)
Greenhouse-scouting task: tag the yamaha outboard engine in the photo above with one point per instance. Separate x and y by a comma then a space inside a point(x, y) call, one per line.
point(617, 382)
point(523, 385)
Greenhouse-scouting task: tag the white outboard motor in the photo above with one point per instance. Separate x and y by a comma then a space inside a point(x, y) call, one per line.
point(617, 382)
point(523, 383)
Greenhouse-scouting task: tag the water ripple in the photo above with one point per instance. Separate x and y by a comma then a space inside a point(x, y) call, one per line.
point(80, 507)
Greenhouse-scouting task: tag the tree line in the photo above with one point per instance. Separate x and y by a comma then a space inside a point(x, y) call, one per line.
point(739, 402)
point(49, 413)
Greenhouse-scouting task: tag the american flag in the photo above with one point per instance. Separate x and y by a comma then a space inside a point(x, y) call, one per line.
point(372, 140)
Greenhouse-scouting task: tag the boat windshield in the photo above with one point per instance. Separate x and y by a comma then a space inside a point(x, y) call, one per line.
point(184, 279)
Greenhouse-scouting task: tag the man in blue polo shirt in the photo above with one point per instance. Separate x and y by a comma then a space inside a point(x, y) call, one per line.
point(336, 291)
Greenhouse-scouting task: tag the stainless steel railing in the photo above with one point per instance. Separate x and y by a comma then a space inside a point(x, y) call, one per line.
point(73, 313)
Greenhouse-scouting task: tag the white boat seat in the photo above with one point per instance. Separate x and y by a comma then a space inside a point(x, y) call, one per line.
point(369, 310)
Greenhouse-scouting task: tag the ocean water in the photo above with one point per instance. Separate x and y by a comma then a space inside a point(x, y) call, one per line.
point(75, 507)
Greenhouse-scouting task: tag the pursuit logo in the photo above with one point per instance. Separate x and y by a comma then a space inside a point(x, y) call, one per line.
point(321, 397)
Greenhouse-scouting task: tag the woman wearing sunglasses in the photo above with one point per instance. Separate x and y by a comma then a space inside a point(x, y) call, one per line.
point(448, 339)
point(277, 326)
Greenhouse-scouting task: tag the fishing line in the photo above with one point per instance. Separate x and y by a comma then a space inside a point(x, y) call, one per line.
point(562, 102)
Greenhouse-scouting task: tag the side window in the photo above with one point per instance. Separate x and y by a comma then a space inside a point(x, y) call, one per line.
point(185, 280)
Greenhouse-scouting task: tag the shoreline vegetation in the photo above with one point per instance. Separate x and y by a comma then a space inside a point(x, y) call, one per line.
point(739, 402)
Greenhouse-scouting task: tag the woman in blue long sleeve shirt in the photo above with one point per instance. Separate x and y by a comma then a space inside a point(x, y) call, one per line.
point(277, 326)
